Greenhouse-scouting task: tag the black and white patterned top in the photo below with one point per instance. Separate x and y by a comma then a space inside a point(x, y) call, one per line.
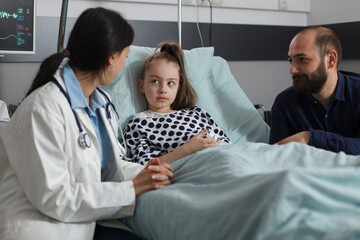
point(150, 134)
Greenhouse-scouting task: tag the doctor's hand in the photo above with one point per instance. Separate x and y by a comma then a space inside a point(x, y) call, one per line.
point(155, 175)
point(301, 137)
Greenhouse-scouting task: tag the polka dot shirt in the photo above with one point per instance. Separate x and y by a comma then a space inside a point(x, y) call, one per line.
point(151, 134)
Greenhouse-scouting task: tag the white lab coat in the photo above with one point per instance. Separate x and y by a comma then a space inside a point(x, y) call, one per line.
point(4, 116)
point(50, 187)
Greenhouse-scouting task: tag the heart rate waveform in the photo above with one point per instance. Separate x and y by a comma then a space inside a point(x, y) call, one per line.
point(7, 37)
point(4, 14)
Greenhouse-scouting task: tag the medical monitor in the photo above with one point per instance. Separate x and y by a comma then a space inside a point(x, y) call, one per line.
point(17, 27)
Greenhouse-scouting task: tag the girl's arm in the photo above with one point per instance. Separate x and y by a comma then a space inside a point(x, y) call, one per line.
point(140, 148)
point(214, 127)
point(196, 143)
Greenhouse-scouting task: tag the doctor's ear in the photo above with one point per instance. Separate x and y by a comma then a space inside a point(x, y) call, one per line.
point(111, 60)
point(141, 85)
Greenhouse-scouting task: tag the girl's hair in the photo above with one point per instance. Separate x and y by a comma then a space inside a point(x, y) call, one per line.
point(97, 34)
point(170, 51)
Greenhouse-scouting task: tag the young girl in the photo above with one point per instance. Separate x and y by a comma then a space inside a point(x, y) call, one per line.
point(173, 127)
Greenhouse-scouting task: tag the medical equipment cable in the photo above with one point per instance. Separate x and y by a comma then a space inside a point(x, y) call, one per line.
point(132, 85)
point(210, 31)
point(84, 139)
point(197, 24)
point(133, 106)
point(108, 115)
point(62, 25)
point(179, 21)
point(133, 103)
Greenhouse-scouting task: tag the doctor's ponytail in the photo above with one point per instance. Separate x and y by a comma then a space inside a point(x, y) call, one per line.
point(46, 71)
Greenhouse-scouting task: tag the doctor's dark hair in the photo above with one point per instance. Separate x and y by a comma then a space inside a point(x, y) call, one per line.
point(97, 34)
point(171, 52)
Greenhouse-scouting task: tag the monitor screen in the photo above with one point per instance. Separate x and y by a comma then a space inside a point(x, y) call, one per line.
point(17, 27)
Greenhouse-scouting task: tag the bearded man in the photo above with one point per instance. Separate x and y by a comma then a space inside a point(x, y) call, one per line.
point(322, 108)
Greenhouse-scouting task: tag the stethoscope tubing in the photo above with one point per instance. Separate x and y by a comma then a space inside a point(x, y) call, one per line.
point(84, 139)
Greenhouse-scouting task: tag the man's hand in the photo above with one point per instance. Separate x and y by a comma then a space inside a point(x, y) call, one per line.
point(301, 137)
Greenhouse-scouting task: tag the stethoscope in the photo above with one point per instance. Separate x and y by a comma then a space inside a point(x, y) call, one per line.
point(84, 139)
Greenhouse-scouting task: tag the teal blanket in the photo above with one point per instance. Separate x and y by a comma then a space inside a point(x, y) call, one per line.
point(255, 191)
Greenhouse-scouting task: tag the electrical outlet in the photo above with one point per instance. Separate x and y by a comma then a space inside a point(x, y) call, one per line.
point(283, 4)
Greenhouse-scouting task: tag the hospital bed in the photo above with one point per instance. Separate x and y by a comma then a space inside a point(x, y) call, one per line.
point(247, 190)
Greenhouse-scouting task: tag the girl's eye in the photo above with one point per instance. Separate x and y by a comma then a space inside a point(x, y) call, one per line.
point(154, 81)
point(171, 83)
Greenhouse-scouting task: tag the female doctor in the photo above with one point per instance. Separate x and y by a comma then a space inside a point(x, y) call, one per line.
point(61, 167)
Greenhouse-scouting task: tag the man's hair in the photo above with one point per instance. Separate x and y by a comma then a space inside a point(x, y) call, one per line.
point(326, 40)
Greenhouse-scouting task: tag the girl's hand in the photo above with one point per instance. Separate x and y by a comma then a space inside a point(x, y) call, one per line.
point(197, 143)
point(155, 175)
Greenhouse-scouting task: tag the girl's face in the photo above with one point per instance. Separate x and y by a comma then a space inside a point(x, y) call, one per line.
point(160, 85)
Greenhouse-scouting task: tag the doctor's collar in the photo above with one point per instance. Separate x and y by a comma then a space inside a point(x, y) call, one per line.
point(76, 95)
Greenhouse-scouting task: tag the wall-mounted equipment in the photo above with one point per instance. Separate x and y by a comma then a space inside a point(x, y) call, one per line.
point(17, 27)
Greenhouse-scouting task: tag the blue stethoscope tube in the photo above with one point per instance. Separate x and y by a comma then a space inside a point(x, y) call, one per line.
point(84, 139)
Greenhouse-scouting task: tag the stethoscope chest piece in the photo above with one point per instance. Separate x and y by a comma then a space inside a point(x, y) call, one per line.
point(84, 140)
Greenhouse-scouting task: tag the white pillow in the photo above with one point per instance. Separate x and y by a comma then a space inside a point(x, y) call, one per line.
point(218, 93)
point(198, 66)
point(241, 122)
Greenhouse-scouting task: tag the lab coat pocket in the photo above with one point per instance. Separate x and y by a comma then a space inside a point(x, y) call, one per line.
point(86, 168)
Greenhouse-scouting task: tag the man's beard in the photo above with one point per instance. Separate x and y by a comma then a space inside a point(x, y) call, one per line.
point(304, 84)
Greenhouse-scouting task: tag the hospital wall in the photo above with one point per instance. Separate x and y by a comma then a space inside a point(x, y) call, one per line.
point(261, 73)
